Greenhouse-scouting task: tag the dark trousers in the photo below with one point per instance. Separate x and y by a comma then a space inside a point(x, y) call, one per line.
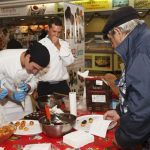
point(46, 88)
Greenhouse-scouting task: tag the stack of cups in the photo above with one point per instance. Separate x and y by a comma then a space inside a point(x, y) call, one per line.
point(73, 103)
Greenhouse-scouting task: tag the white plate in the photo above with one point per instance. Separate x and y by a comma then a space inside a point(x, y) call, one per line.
point(34, 129)
point(84, 122)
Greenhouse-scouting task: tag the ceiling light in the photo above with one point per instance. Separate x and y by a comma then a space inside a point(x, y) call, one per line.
point(140, 12)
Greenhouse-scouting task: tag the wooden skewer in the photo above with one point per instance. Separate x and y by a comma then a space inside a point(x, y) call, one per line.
point(60, 94)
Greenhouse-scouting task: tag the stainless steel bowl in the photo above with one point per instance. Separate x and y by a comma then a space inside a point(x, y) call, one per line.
point(50, 100)
point(59, 129)
point(46, 99)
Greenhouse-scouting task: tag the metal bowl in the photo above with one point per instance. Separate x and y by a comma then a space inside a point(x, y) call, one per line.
point(46, 99)
point(59, 129)
point(50, 100)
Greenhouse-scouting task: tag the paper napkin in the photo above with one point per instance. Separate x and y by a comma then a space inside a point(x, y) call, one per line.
point(83, 74)
point(99, 127)
point(43, 146)
point(78, 139)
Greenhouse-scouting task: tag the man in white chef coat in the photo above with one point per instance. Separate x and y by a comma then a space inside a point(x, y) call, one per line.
point(55, 80)
point(18, 77)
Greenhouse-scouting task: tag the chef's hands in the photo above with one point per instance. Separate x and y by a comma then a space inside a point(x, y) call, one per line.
point(21, 92)
point(55, 41)
point(3, 93)
point(22, 86)
point(18, 96)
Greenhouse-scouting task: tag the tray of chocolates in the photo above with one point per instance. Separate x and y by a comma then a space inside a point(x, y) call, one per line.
point(35, 115)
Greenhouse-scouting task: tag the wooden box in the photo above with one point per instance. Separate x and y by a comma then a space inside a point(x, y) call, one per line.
point(98, 94)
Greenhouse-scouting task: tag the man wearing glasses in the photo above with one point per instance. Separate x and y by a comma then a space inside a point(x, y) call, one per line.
point(130, 37)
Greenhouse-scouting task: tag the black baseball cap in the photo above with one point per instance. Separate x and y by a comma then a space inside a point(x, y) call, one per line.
point(118, 17)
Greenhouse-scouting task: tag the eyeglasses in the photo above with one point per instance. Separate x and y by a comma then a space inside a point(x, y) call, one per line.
point(110, 39)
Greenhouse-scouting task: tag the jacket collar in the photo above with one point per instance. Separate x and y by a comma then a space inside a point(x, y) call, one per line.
point(127, 48)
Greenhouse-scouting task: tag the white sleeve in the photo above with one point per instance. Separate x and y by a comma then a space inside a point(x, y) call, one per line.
point(33, 84)
point(66, 54)
point(2, 75)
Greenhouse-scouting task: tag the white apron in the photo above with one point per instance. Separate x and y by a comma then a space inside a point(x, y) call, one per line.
point(12, 111)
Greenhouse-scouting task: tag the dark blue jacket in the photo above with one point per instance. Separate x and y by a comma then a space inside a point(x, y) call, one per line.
point(135, 124)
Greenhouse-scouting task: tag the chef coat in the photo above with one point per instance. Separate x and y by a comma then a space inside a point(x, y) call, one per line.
point(11, 69)
point(59, 60)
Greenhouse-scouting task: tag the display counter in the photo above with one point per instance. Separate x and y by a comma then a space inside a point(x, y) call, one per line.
point(17, 142)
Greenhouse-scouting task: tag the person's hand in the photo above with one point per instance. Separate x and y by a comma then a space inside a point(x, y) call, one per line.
point(3, 93)
point(18, 96)
point(110, 81)
point(55, 41)
point(111, 115)
point(23, 87)
point(110, 78)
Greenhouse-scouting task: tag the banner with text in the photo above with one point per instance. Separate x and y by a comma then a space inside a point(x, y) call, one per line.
point(30, 10)
point(92, 5)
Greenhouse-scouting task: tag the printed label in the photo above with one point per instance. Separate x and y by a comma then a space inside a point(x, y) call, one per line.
point(99, 98)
